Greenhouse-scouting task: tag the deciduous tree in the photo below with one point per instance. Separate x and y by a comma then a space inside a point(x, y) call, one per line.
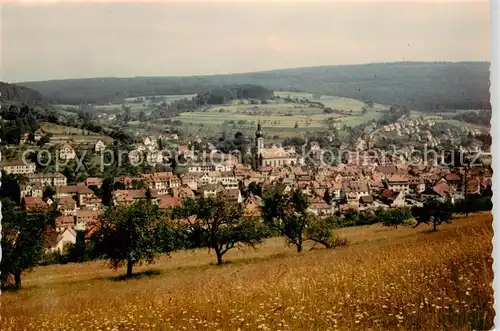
point(432, 211)
point(129, 234)
point(320, 231)
point(394, 217)
point(22, 241)
point(218, 223)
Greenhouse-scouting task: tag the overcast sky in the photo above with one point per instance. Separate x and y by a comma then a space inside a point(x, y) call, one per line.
point(54, 41)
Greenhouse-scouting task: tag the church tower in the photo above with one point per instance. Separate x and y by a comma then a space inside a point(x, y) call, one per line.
point(259, 140)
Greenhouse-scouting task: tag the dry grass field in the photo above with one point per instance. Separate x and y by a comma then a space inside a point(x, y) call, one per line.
point(387, 279)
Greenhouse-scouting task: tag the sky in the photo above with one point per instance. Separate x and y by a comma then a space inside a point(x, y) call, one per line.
point(77, 40)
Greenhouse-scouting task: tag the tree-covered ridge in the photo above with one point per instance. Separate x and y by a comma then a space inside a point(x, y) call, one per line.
point(418, 85)
point(11, 94)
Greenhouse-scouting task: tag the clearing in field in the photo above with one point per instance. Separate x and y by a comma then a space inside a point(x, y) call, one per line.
point(387, 279)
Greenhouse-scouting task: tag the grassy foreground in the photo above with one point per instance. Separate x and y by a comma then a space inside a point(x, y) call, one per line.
point(408, 279)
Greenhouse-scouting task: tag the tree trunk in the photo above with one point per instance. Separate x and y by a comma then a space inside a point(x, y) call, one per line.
point(219, 256)
point(299, 245)
point(434, 224)
point(130, 264)
point(465, 192)
point(17, 278)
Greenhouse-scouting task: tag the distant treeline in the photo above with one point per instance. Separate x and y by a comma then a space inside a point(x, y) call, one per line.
point(219, 96)
point(415, 85)
point(11, 94)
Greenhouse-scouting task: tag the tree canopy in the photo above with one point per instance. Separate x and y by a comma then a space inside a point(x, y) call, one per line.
point(22, 241)
point(130, 234)
point(287, 213)
point(434, 212)
point(219, 223)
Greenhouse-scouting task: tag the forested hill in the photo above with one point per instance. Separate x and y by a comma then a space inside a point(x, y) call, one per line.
point(11, 94)
point(418, 85)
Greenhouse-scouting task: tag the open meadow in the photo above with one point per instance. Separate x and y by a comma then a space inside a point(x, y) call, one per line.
point(386, 279)
point(334, 102)
point(60, 133)
point(281, 117)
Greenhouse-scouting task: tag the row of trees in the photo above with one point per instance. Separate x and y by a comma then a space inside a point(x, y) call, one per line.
point(129, 235)
point(218, 96)
point(138, 233)
point(392, 217)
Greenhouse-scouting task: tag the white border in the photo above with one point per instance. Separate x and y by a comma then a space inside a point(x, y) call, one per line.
point(1, 66)
point(495, 146)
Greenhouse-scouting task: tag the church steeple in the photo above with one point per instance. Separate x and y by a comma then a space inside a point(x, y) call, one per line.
point(258, 133)
point(259, 139)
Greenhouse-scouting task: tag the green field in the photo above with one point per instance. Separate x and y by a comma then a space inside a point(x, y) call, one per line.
point(333, 102)
point(69, 133)
point(56, 129)
point(146, 105)
point(279, 117)
point(311, 121)
point(359, 119)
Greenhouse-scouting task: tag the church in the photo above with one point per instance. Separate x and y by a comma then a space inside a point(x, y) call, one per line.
point(275, 156)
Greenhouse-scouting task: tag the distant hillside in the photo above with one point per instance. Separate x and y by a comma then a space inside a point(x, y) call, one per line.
point(11, 94)
point(417, 85)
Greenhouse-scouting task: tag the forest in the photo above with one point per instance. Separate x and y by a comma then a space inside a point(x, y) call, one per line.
point(418, 85)
point(12, 94)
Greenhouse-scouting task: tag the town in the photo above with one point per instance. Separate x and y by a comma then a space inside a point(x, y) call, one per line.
point(360, 184)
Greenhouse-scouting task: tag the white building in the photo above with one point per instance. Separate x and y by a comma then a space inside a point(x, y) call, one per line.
point(276, 156)
point(66, 237)
point(227, 179)
point(52, 179)
point(398, 183)
point(99, 146)
point(66, 152)
point(18, 167)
